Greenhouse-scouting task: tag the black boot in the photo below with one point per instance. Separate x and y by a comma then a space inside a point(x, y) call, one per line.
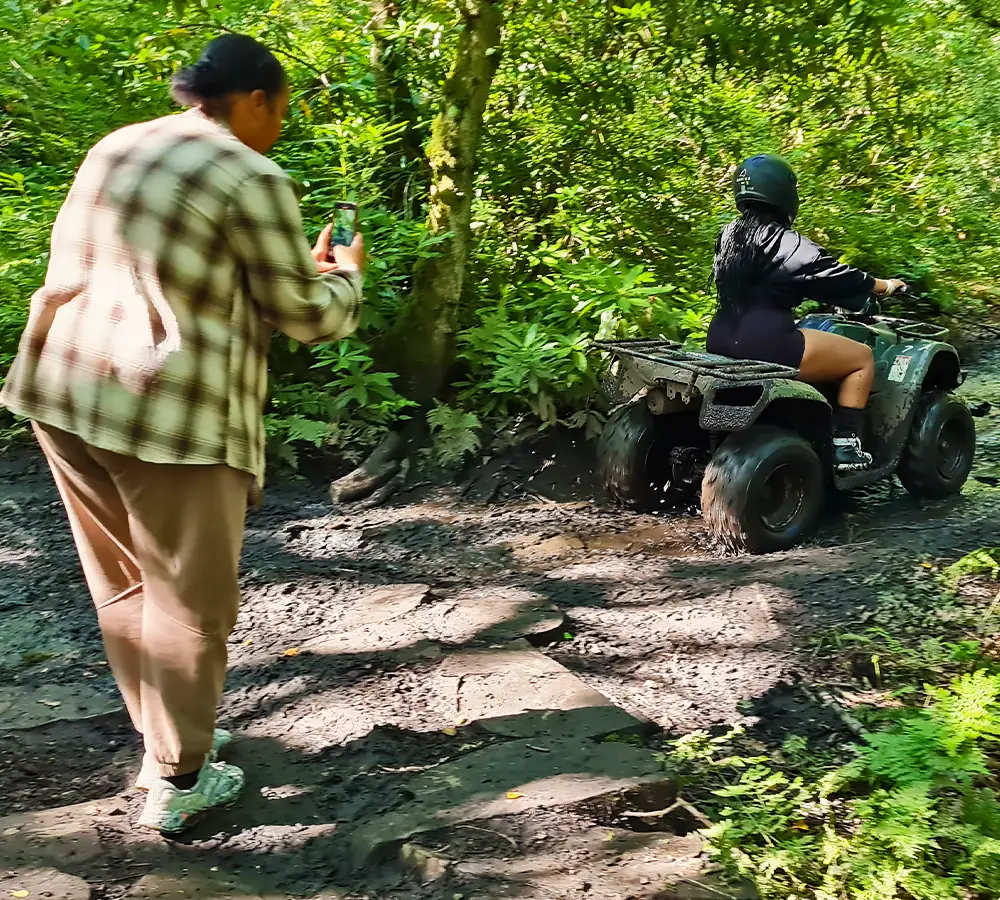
point(847, 452)
point(848, 455)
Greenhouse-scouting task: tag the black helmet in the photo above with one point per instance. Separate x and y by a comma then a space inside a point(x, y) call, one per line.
point(767, 178)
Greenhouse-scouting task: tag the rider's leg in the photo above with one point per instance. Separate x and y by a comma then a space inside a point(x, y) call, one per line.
point(833, 357)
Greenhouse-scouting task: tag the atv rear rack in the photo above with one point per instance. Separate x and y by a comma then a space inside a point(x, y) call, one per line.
point(669, 353)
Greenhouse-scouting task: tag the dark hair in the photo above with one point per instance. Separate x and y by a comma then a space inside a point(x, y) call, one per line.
point(740, 253)
point(231, 64)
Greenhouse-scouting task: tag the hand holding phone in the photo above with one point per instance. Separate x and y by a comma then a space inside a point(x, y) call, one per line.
point(340, 245)
point(344, 226)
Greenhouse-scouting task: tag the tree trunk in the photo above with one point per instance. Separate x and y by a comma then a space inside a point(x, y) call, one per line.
point(392, 89)
point(422, 341)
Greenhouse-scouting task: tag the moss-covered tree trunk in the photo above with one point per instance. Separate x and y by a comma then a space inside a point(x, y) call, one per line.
point(421, 345)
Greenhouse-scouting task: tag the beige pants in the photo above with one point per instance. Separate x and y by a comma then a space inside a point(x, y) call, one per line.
point(160, 548)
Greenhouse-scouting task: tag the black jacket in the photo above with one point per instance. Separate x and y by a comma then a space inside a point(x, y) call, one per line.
point(756, 319)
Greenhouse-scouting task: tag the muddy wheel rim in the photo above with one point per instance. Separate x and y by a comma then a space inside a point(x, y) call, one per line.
point(781, 498)
point(951, 449)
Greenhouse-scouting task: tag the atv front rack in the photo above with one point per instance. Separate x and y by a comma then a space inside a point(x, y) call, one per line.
point(670, 354)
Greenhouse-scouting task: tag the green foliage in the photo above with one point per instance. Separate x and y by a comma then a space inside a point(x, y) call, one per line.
point(515, 365)
point(980, 562)
point(454, 434)
point(909, 606)
point(340, 401)
point(914, 811)
point(602, 181)
point(914, 815)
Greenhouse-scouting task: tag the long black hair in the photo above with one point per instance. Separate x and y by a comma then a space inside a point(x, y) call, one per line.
point(231, 64)
point(740, 256)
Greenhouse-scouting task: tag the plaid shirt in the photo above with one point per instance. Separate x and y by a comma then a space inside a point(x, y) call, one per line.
point(176, 254)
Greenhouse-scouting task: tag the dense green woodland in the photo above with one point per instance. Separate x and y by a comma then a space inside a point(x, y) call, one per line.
point(534, 174)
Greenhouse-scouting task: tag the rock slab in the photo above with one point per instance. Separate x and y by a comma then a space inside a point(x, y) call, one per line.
point(66, 836)
point(29, 707)
point(192, 885)
point(405, 615)
point(48, 883)
point(517, 691)
point(506, 779)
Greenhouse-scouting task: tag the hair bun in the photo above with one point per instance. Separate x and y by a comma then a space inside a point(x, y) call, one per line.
point(229, 64)
point(205, 80)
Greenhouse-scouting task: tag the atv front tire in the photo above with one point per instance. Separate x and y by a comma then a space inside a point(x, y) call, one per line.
point(763, 490)
point(940, 448)
point(632, 458)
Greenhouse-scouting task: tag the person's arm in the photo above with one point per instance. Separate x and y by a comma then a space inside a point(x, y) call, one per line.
point(818, 276)
point(297, 292)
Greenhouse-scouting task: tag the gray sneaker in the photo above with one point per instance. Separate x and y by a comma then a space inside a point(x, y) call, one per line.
point(147, 776)
point(170, 810)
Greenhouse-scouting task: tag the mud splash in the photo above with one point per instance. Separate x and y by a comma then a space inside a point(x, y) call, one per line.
point(983, 387)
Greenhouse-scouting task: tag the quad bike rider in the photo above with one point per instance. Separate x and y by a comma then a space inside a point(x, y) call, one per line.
point(770, 421)
point(763, 270)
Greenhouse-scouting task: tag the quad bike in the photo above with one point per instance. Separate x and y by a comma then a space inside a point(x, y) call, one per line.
point(760, 443)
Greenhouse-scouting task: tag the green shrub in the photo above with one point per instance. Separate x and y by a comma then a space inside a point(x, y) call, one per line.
point(914, 815)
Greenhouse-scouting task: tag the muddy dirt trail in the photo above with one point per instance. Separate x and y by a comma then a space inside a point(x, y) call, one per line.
point(423, 693)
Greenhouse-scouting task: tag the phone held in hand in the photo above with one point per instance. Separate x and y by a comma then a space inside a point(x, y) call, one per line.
point(344, 225)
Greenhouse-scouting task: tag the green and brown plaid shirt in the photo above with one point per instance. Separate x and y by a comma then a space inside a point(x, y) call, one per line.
point(177, 253)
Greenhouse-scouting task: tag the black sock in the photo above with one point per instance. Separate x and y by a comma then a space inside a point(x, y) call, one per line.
point(183, 782)
point(849, 421)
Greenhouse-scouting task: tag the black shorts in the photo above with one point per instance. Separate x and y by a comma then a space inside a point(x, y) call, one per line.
point(766, 335)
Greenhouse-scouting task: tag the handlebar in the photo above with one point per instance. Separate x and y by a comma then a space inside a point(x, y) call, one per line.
point(871, 309)
point(911, 328)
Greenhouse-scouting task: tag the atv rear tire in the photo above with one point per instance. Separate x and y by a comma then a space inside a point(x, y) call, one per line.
point(940, 448)
point(632, 457)
point(763, 490)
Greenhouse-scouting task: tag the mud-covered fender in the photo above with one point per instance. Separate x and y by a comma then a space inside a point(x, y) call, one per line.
point(902, 373)
point(734, 407)
point(909, 363)
point(786, 389)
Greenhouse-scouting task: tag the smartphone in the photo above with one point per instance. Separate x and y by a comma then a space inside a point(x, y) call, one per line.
point(344, 224)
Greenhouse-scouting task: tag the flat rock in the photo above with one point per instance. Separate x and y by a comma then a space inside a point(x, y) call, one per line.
point(29, 707)
point(31, 635)
point(49, 883)
point(507, 779)
point(498, 613)
point(384, 604)
point(287, 839)
point(193, 884)
point(602, 863)
point(410, 616)
point(67, 836)
point(384, 618)
point(583, 722)
point(520, 692)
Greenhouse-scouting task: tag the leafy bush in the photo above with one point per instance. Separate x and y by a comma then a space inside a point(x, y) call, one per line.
point(602, 179)
point(516, 365)
point(341, 402)
point(914, 815)
point(980, 562)
point(454, 434)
